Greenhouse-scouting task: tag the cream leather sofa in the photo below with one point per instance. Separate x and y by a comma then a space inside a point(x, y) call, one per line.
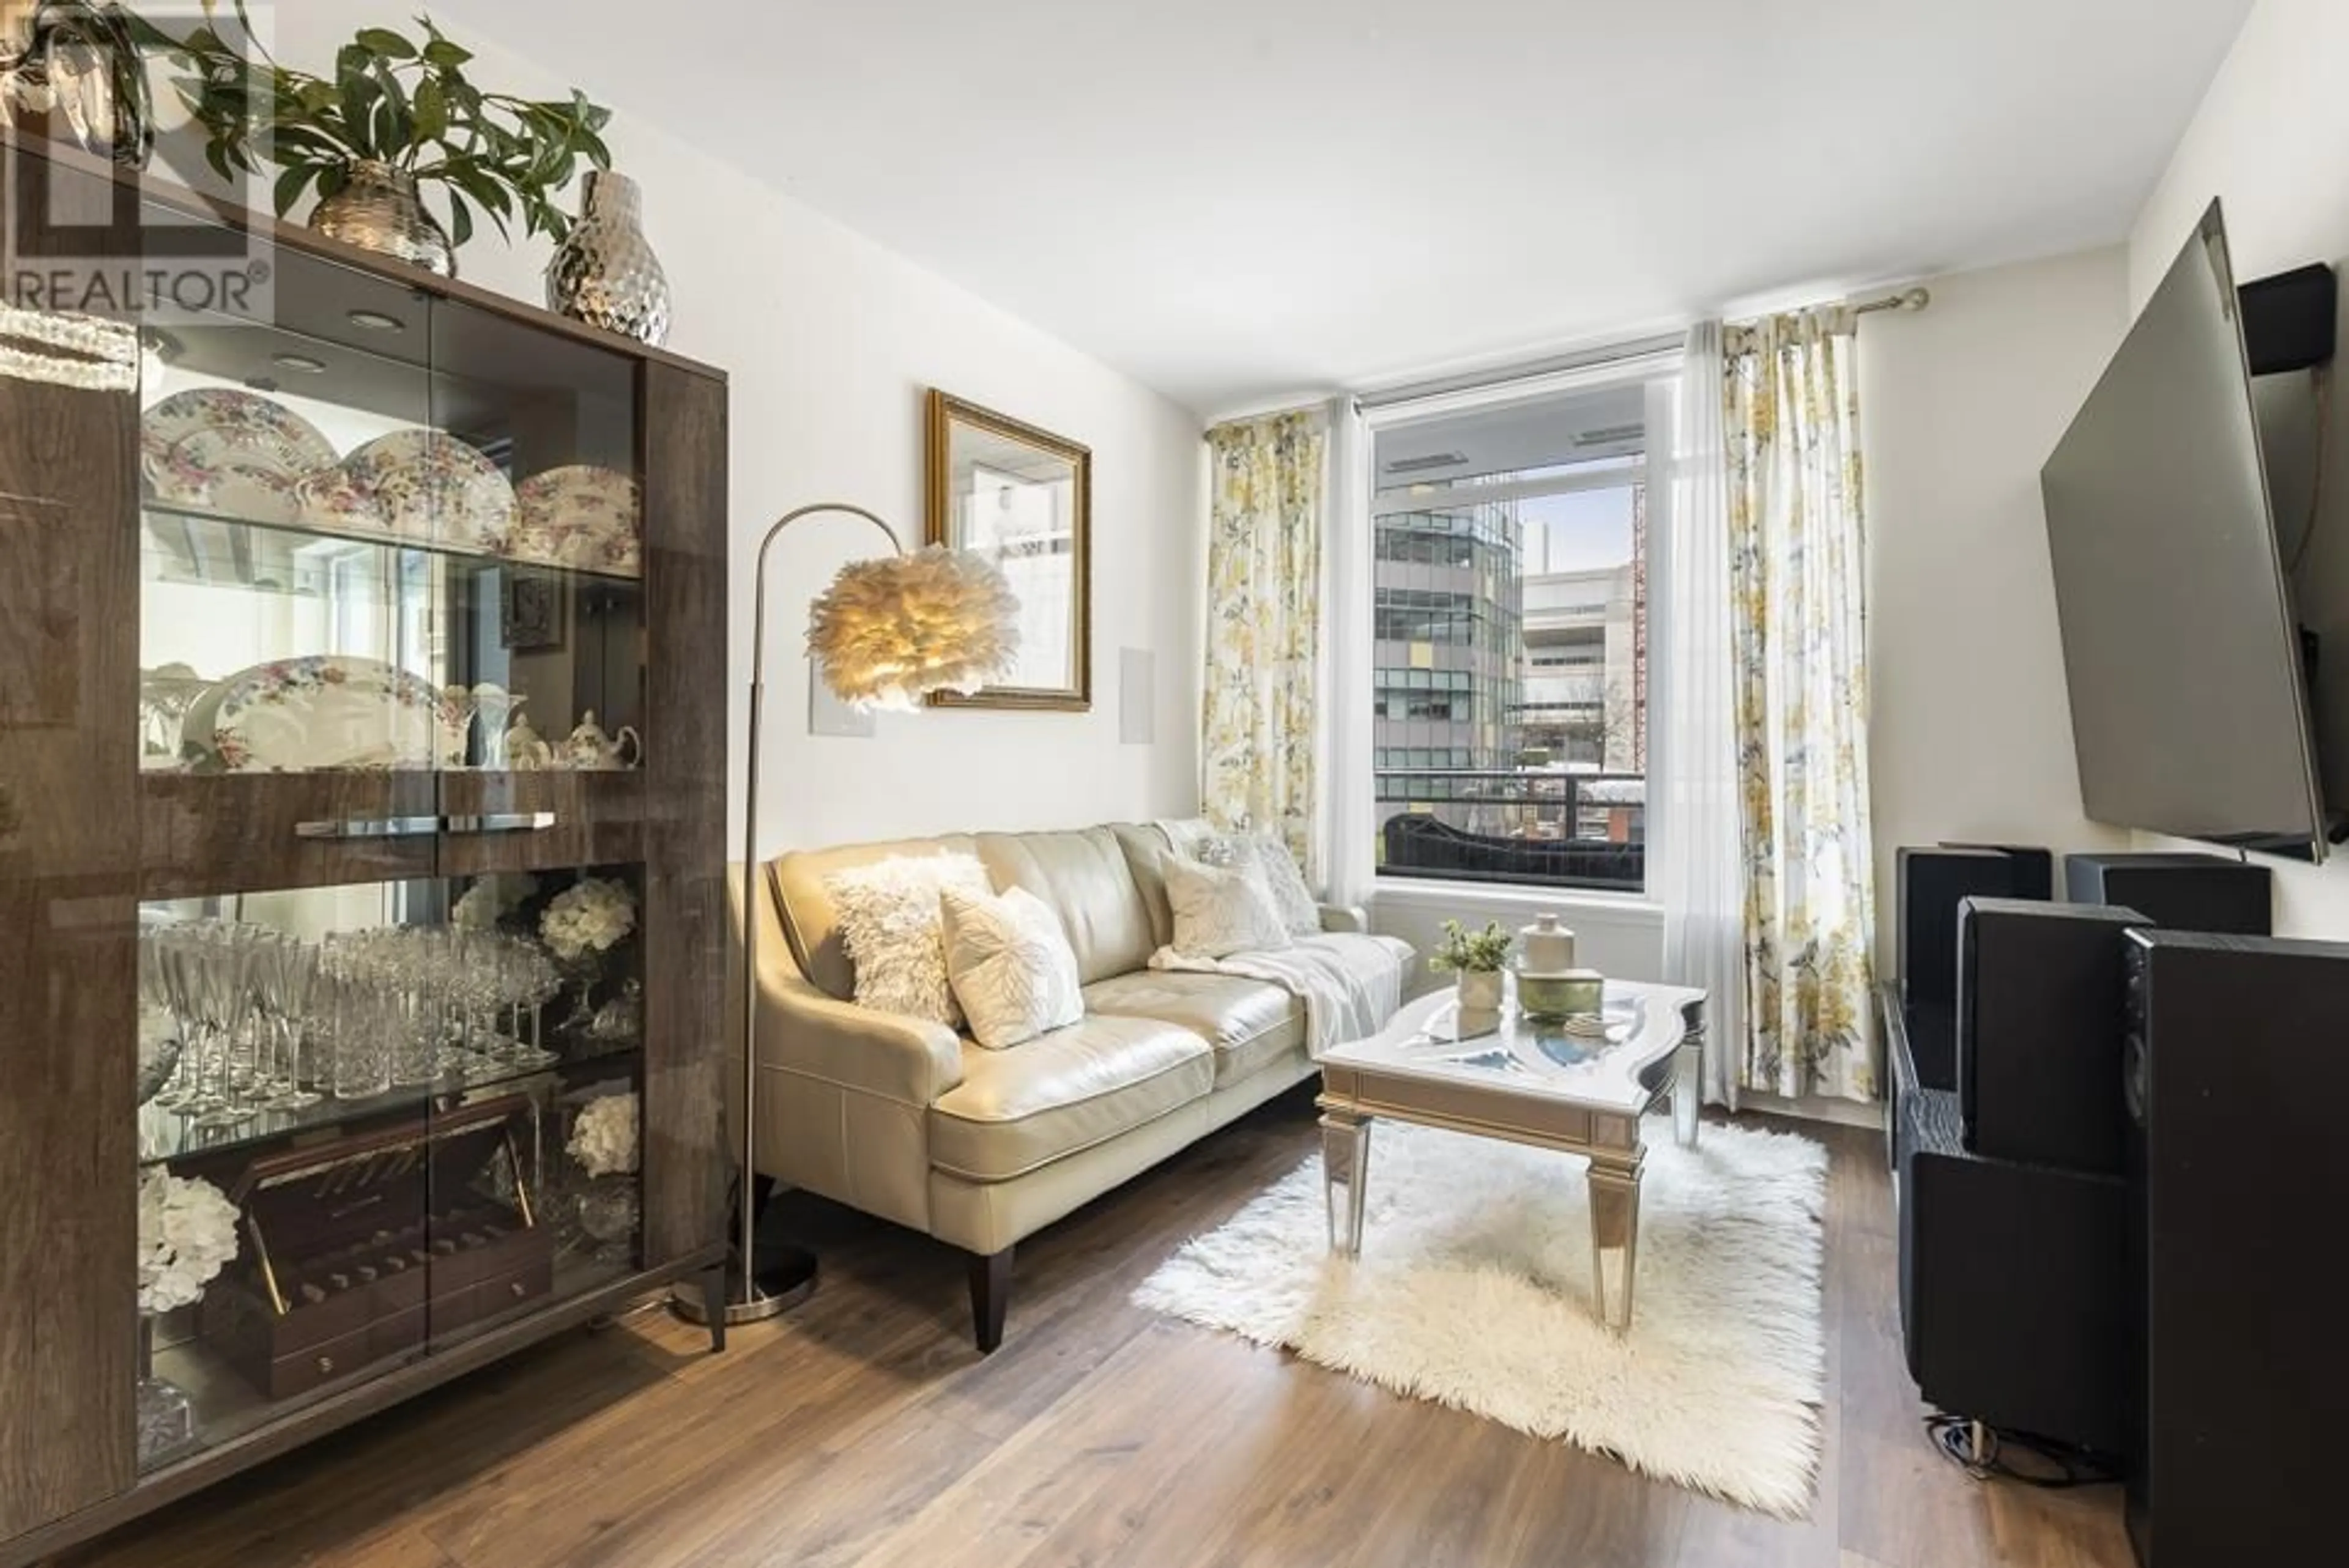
point(900, 1117)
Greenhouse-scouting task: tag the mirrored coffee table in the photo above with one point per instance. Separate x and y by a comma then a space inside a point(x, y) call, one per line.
point(1500, 1075)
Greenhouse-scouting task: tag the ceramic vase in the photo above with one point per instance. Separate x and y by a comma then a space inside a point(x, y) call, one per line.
point(1481, 990)
point(75, 73)
point(378, 210)
point(604, 272)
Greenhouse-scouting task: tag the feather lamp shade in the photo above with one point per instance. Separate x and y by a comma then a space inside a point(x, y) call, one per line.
point(888, 631)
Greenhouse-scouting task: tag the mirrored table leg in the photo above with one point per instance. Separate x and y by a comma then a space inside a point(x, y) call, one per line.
point(1614, 1240)
point(1688, 1089)
point(1345, 1170)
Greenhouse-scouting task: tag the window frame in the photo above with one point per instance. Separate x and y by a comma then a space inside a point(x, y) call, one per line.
point(1652, 471)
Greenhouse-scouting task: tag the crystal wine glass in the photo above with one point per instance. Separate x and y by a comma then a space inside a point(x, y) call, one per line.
point(294, 977)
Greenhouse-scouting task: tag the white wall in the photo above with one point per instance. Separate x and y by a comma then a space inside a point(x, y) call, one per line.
point(830, 340)
point(1970, 733)
point(2271, 142)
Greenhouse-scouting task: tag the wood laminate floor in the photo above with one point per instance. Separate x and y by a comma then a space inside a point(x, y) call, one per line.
point(865, 1429)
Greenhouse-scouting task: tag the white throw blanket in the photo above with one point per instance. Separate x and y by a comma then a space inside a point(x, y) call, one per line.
point(1351, 985)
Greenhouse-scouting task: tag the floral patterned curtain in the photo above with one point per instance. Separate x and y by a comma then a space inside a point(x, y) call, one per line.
point(1800, 698)
point(1263, 625)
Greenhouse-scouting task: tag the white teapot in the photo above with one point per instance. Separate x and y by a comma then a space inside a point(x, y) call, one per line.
point(526, 752)
point(588, 748)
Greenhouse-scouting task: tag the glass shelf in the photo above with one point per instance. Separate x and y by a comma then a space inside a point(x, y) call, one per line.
point(173, 1138)
point(222, 596)
point(177, 531)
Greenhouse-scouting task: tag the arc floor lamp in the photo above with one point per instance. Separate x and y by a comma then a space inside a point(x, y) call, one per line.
point(887, 633)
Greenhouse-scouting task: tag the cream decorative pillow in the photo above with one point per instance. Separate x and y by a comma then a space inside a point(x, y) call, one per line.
point(1011, 965)
point(1218, 912)
point(891, 925)
point(1274, 867)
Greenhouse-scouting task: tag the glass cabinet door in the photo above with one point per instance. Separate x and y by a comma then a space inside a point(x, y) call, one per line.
point(374, 1119)
point(546, 650)
point(391, 676)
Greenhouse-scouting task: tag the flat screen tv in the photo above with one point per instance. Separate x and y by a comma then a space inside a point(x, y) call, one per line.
point(2190, 694)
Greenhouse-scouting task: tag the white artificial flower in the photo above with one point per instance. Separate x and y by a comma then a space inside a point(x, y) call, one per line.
point(491, 899)
point(603, 1136)
point(187, 1234)
point(593, 916)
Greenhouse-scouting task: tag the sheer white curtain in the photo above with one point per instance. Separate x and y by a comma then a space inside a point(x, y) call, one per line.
point(1696, 861)
point(1345, 842)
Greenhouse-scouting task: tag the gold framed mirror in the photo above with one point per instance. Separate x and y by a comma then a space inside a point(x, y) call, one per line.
point(1023, 498)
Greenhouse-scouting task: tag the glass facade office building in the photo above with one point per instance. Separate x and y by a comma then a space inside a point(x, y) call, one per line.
point(1448, 624)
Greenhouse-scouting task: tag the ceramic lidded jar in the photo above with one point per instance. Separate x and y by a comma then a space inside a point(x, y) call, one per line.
point(1548, 984)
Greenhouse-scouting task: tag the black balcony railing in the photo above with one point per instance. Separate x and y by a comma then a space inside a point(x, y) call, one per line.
point(1557, 830)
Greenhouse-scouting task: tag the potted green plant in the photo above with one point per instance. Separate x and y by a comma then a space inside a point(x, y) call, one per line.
point(1478, 957)
point(72, 69)
point(399, 115)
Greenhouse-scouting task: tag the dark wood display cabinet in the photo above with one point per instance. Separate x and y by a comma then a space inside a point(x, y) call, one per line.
point(360, 1007)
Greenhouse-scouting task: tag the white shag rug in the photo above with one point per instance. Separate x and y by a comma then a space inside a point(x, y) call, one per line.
point(1473, 1290)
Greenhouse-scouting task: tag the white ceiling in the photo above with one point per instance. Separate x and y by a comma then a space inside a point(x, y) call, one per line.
point(1239, 199)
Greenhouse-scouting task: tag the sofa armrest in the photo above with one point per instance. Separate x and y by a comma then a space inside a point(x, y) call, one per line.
point(1345, 917)
point(804, 1030)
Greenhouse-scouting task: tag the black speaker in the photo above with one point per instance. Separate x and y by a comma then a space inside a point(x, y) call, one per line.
point(2288, 319)
point(2182, 892)
point(1932, 882)
point(2040, 1024)
point(2236, 1078)
point(2034, 869)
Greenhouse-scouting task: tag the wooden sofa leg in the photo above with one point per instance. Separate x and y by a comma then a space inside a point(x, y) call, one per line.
point(990, 1297)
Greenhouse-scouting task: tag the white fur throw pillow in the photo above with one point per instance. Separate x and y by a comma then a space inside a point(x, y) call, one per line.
point(1275, 867)
point(1218, 912)
point(891, 925)
point(1012, 965)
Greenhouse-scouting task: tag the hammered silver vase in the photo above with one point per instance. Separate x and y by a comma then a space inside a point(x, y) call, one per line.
point(378, 210)
point(605, 273)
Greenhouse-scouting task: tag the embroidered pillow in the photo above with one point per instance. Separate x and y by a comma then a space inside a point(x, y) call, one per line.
point(1011, 964)
point(1218, 912)
point(891, 925)
point(1273, 867)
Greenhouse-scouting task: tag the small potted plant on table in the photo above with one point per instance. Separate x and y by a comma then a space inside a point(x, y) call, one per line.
point(1477, 956)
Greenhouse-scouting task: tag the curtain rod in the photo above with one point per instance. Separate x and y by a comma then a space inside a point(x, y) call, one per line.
point(1905, 301)
point(1910, 299)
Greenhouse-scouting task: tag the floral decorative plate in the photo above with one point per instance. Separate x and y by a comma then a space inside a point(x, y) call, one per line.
point(425, 484)
point(229, 452)
point(332, 501)
point(580, 515)
point(326, 711)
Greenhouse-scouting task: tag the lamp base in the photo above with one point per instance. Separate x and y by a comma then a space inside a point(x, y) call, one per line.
point(785, 1277)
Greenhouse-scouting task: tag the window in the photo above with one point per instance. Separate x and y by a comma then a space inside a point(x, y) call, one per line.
point(1510, 612)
